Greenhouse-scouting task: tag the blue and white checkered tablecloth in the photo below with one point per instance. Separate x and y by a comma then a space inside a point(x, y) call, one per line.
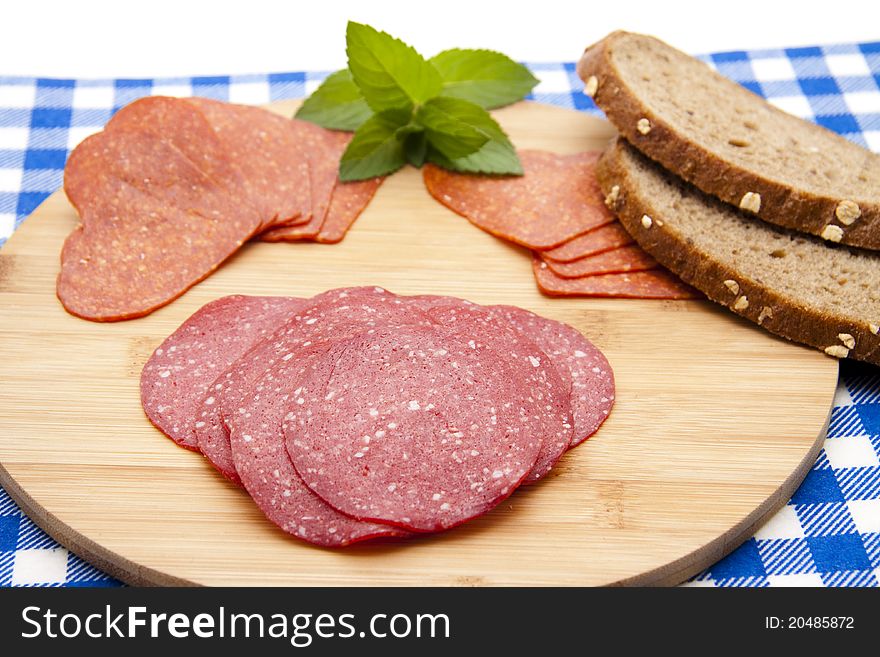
point(829, 532)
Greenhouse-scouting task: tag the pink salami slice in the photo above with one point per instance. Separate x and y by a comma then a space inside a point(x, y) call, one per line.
point(332, 315)
point(579, 362)
point(423, 428)
point(177, 377)
point(494, 328)
point(265, 469)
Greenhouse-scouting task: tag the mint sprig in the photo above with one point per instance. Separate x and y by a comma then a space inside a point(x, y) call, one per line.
point(404, 108)
point(337, 104)
point(484, 77)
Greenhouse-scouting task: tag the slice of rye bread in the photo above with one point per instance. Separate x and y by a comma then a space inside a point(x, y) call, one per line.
point(791, 284)
point(732, 144)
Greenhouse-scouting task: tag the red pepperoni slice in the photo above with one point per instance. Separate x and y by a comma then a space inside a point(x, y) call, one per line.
point(104, 164)
point(325, 148)
point(349, 200)
point(133, 252)
point(625, 259)
point(598, 240)
point(184, 128)
point(271, 153)
point(556, 199)
point(652, 284)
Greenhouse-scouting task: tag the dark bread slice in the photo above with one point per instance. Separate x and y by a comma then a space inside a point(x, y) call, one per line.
point(732, 144)
point(791, 284)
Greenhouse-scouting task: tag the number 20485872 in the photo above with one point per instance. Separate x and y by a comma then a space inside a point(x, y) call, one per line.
point(809, 622)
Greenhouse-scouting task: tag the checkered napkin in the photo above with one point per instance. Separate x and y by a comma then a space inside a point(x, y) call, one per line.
point(829, 532)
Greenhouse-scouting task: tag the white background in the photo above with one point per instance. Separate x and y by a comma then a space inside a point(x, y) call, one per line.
point(148, 38)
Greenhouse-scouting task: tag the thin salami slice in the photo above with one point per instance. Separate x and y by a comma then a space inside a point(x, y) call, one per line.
point(598, 240)
point(335, 314)
point(349, 200)
point(582, 366)
point(625, 259)
point(135, 253)
point(270, 152)
point(556, 199)
point(325, 148)
point(421, 428)
point(265, 469)
point(184, 128)
point(102, 165)
point(176, 378)
point(494, 328)
point(652, 284)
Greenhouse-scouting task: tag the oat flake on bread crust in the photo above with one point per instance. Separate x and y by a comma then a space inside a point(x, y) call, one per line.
point(796, 286)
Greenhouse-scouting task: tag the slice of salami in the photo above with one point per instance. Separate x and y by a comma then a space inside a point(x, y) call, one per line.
point(265, 469)
point(176, 378)
point(107, 161)
point(333, 315)
point(556, 199)
point(270, 152)
point(184, 128)
point(134, 253)
point(582, 366)
point(598, 240)
point(494, 328)
point(625, 259)
point(349, 200)
point(325, 148)
point(652, 284)
point(422, 428)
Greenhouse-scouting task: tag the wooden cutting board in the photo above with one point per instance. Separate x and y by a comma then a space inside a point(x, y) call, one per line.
point(716, 421)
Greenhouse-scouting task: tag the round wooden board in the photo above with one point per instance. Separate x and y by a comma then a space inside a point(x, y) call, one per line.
point(716, 421)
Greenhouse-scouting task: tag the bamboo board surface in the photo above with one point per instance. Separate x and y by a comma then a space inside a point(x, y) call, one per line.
point(716, 421)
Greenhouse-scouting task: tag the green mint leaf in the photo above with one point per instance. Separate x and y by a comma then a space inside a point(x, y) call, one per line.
point(376, 148)
point(455, 127)
point(414, 143)
point(416, 147)
point(497, 156)
point(389, 73)
point(494, 158)
point(337, 104)
point(484, 77)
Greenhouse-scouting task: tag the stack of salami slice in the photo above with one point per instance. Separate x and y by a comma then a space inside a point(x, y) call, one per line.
point(172, 187)
point(359, 413)
point(557, 210)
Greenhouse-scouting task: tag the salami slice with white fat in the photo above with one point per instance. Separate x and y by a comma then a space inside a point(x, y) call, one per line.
point(265, 469)
point(422, 428)
point(178, 375)
point(332, 315)
point(578, 361)
point(360, 414)
point(554, 392)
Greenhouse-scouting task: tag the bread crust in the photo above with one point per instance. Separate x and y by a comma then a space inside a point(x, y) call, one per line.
point(787, 317)
point(780, 203)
